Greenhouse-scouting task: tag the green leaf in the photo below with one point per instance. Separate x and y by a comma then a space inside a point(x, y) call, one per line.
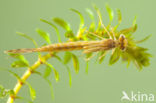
point(17, 56)
point(67, 57)
point(119, 16)
point(27, 37)
point(91, 14)
point(14, 74)
point(47, 72)
point(88, 56)
point(128, 30)
point(99, 16)
point(115, 56)
point(69, 72)
point(24, 99)
point(70, 76)
point(21, 61)
point(110, 12)
point(69, 34)
point(134, 21)
point(55, 72)
point(2, 92)
point(81, 17)
point(144, 39)
point(87, 63)
point(62, 23)
point(56, 75)
point(50, 84)
point(5, 92)
point(18, 64)
point(138, 55)
point(75, 63)
point(134, 25)
point(119, 19)
point(51, 88)
point(32, 91)
point(52, 25)
point(66, 26)
point(102, 56)
point(44, 35)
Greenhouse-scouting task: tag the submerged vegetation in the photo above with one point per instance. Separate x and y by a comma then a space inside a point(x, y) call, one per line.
point(133, 53)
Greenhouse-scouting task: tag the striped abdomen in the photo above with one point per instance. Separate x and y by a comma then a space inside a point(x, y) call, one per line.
point(88, 46)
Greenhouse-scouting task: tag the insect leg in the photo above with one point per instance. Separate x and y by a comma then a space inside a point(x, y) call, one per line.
point(94, 34)
point(113, 50)
point(102, 55)
point(95, 49)
point(87, 59)
point(100, 19)
point(113, 33)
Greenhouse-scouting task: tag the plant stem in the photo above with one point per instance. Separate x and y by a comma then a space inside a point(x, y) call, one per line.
point(26, 75)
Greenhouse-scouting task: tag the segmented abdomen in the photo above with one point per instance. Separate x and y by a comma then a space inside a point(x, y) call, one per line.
point(69, 46)
point(87, 46)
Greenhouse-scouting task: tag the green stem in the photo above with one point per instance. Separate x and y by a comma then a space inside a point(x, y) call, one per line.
point(27, 74)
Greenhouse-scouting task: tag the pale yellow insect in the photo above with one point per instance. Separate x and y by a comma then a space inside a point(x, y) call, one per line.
point(87, 46)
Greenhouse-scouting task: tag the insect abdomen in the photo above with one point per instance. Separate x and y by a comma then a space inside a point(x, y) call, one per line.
point(64, 46)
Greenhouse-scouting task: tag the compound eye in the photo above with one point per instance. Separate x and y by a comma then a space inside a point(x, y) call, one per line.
point(122, 37)
point(123, 42)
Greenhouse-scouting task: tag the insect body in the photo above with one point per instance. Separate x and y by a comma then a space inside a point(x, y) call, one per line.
point(87, 46)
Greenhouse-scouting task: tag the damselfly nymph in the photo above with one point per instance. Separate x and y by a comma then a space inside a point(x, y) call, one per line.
point(86, 46)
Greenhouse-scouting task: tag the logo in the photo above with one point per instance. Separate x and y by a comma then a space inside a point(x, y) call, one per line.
point(137, 97)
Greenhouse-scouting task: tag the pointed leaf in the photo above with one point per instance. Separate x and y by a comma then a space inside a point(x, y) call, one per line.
point(134, 21)
point(5, 92)
point(66, 26)
point(115, 56)
point(62, 23)
point(87, 63)
point(69, 34)
point(51, 88)
point(134, 25)
point(47, 72)
point(50, 84)
point(56, 75)
point(24, 99)
point(52, 25)
point(18, 64)
point(19, 57)
point(128, 30)
point(91, 14)
point(75, 63)
point(97, 10)
point(69, 72)
point(55, 72)
point(144, 39)
point(110, 12)
point(81, 17)
point(92, 27)
point(70, 76)
point(102, 56)
point(88, 56)
point(67, 57)
point(99, 17)
point(44, 35)
point(14, 74)
point(119, 16)
point(2, 92)
point(21, 62)
point(27, 37)
point(32, 91)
